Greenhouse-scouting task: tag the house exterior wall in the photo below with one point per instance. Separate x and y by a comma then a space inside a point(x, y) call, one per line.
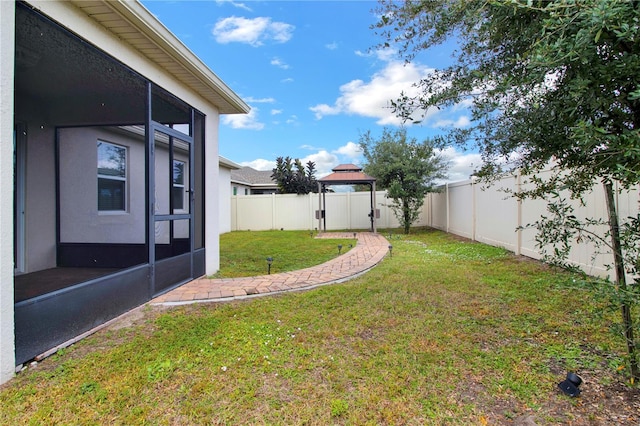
point(240, 189)
point(7, 344)
point(40, 192)
point(212, 197)
point(80, 220)
point(224, 186)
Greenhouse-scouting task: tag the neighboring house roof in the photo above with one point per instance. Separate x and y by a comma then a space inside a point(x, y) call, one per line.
point(252, 177)
point(345, 174)
point(134, 24)
point(228, 164)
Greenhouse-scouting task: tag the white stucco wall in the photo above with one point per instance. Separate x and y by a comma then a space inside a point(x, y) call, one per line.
point(212, 196)
point(80, 220)
point(7, 34)
point(224, 184)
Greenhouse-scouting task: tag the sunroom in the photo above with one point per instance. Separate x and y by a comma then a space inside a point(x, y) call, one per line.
point(115, 142)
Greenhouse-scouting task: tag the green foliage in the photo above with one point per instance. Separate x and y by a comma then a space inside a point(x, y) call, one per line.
point(551, 83)
point(404, 167)
point(294, 178)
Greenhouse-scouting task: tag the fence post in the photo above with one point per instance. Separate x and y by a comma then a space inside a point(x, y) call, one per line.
point(474, 209)
point(446, 194)
point(518, 249)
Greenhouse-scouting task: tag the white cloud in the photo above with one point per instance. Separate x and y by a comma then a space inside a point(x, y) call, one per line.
point(462, 164)
point(260, 164)
point(234, 4)
point(278, 63)
point(325, 161)
point(351, 150)
point(243, 121)
point(276, 111)
point(310, 147)
point(323, 109)
point(331, 46)
point(460, 122)
point(287, 80)
point(254, 31)
point(372, 98)
point(252, 100)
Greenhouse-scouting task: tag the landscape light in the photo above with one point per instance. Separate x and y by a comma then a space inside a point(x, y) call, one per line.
point(339, 248)
point(390, 250)
point(269, 262)
point(570, 385)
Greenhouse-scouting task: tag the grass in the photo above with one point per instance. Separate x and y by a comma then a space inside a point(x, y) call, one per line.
point(444, 332)
point(244, 253)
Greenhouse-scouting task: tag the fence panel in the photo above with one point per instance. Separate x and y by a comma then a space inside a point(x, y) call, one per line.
point(293, 211)
point(461, 199)
point(497, 215)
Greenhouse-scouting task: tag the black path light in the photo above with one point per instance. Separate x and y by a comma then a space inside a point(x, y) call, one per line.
point(269, 262)
point(339, 248)
point(571, 384)
point(390, 250)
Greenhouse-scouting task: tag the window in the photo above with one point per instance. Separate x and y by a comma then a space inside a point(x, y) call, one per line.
point(178, 191)
point(112, 177)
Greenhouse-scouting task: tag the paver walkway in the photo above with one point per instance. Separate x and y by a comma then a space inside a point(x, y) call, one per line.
point(368, 252)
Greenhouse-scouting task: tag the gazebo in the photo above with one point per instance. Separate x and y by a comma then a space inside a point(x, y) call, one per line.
point(345, 174)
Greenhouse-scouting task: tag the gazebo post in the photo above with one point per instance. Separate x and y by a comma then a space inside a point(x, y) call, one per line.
point(373, 194)
point(323, 213)
point(320, 207)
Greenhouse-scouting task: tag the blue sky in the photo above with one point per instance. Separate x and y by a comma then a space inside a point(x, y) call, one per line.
point(308, 71)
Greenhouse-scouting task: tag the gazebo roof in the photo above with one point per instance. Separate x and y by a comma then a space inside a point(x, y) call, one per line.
point(345, 174)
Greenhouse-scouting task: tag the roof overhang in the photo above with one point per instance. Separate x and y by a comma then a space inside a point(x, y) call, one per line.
point(226, 163)
point(131, 22)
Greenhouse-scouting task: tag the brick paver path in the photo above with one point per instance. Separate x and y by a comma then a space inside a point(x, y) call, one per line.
point(368, 252)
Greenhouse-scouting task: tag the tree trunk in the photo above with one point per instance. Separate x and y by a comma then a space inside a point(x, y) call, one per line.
point(621, 282)
point(406, 214)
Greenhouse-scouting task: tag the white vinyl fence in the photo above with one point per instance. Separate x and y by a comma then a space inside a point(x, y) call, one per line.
point(466, 208)
point(343, 210)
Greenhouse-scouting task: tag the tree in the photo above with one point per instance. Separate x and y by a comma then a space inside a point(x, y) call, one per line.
point(405, 168)
point(551, 83)
point(294, 178)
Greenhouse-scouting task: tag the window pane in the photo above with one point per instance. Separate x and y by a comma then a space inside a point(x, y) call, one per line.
point(178, 173)
point(178, 198)
point(110, 194)
point(111, 160)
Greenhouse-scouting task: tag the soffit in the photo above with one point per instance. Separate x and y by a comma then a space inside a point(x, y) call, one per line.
point(135, 25)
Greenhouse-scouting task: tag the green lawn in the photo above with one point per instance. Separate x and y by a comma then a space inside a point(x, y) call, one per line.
point(444, 332)
point(244, 253)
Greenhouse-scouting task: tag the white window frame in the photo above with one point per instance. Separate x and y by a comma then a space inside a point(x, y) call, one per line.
point(115, 178)
point(180, 185)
